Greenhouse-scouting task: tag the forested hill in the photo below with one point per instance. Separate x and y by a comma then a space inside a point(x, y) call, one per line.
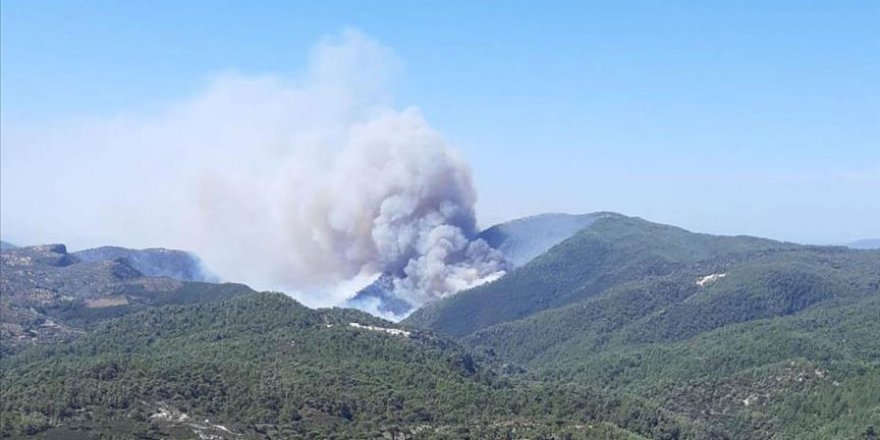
point(49, 295)
point(758, 338)
point(263, 366)
point(613, 250)
point(626, 330)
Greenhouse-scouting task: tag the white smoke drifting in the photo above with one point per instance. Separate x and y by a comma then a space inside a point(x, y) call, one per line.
point(396, 200)
point(311, 184)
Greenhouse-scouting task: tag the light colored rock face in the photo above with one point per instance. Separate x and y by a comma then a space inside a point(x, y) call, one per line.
point(109, 301)
point(390, 331)
point(204, 430)
point(709, 279)
point(169, 414)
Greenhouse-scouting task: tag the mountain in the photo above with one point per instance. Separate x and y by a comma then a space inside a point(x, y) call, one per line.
point(757, 338)
point(627, 329)
point(263, 366)
point(870, 243)
point(379, 299)
point(6, 245)
point(155, 262)
point(613, 250)
point(523, 239)
point(50, 295)
point(518, 240)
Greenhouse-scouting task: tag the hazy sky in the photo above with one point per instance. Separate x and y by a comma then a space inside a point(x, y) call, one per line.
point(757, 118)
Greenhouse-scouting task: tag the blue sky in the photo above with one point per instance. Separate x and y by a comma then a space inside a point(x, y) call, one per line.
point(759, 118)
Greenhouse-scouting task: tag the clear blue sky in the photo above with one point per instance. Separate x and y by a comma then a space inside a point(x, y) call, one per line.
point(728, 117)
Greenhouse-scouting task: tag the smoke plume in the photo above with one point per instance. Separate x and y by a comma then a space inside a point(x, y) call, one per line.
point(312, 184)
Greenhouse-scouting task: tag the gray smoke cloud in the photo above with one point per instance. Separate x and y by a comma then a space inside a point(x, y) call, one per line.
point(311, 184)
point(395, 200)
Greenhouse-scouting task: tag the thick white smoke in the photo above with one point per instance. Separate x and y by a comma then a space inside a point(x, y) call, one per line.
point(395, 200)
point(310, 184)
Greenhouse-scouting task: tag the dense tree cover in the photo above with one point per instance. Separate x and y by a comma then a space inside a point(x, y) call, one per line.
point(627, 330)
point(613, 250)
point(673, 307)
point(268, 366)
point(786, 344)
point(815, 375)
point(190, 292)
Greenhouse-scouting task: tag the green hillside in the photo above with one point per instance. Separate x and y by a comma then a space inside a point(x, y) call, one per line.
point(613, 250)
point(263, 366)
point(812, 375)
point(626, 330)
point(757, 338)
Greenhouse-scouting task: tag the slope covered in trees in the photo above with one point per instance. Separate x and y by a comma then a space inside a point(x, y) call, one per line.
point(758, 338)
point(264, 366)
point(628, 329)
point(613, 250)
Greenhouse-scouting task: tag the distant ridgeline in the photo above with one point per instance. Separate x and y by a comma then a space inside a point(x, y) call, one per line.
point(155, 262)
point(871, 243)
point(50, 295)
point(610, 327)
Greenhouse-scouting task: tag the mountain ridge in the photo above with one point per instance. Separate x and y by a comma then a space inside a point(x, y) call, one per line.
point(868, 243)
point(52, 295)
point(152, 262)
point(761, 339)
point(518, 240)
point(610, 251)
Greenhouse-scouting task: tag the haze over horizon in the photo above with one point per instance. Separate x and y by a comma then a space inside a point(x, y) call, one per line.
point(679, 117)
